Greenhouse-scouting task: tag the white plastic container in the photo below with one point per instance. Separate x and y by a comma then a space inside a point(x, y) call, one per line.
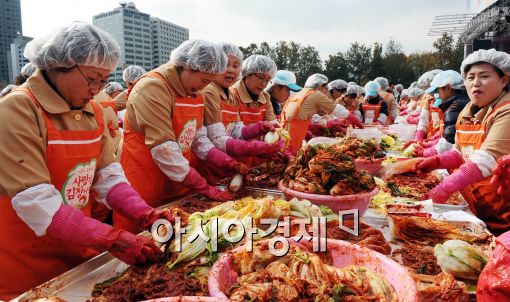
point(404, 132)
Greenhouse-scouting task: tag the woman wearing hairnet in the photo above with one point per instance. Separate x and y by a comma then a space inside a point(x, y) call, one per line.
point(337, 89)
point(350, 100)
point(27, 71)
point(224, 126)
point(57, 148)
point(308, 106)
point(482, 137)
point(255, 108)
point(375, 109)
point(414, 107)
point(388, 97)
point(442, 115)
point(163, 130)
point(425, 103)
point(113, 89)
point(130, 75)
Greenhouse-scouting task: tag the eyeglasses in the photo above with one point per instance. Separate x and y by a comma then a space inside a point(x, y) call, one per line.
point(92, 83)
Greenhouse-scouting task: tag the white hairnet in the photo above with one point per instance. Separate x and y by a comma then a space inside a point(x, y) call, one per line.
point(414, 84)
point(200, 55)
point(361, 90)
point(399, 87)
point(231, 49)
point(352, 83)
point(427, 77)
point(404, 94)
point(28, 70)
point(352, 89)
point(132, 73)
point(415, 92)
point(112, 87)
point(496, 58)
point(383, 82)
point(337, 84)
point(316, 80)
point(447, 77)
point(6, 90)
point(258, 64)
point(76, 44)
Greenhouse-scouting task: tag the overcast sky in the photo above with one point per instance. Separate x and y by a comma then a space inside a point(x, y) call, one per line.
point(329, 25)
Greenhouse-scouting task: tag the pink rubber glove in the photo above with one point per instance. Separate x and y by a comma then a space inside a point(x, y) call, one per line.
point(412, 119)
point(127, 202)
point(221, 160)
point(418, 151)
point(449, 160)
point(428, 143)
point(420, 134)
point(354, 121)
point(71, 225)
point(467, 174)
point(493, 283)
point(256, 130)
point(237, 147)
point(429, 152)
point(501, 175)
point(196, 183)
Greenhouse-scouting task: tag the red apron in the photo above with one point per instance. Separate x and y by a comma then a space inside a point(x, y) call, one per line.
point(229, 116)
point(249, 115)
point(297, 129)
point(482, 197)
point(136, 159)
point(26, 259)
point(371, 112)
point(436, 122)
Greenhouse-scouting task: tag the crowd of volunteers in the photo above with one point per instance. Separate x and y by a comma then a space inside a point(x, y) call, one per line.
point(76, 147)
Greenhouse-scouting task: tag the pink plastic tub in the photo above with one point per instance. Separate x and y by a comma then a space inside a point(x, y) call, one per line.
point(371, 165)
point(336, 203)
point(222, 275)
point(188, 299)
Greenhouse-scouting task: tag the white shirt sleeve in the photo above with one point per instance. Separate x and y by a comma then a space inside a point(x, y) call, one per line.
point(443, 145)
point(340, 111)
point(169, 159)
point(237, 131)
point(202, 144)
point(484, 161)
point(105, 179)
point(423, 122)
point(218, 136)
point(321, 120)
point(383, 118)
point(37, 205)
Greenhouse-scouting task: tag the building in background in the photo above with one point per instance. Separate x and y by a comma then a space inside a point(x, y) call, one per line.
point(144, 40)
point(166, 36)
point(10, 28)
point(16, 60)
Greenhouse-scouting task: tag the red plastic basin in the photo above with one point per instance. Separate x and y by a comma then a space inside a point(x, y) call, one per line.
point(223, 275)
point(336, 203)
point(371, 165)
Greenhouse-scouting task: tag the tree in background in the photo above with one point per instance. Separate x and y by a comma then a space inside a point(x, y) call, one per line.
point(358, 62)
point(377, 68)
point(336, 67)
point(396, 64)
point(448, 54)
point(361, 63)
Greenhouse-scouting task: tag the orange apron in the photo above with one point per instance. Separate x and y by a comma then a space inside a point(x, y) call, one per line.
point(109, 104)
point(482, 197)
point(436, 122)
point(249, 115)
point(26, 259)
point(136, 159)
point(371, 112)
point(297, 129)
point(229, 116)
